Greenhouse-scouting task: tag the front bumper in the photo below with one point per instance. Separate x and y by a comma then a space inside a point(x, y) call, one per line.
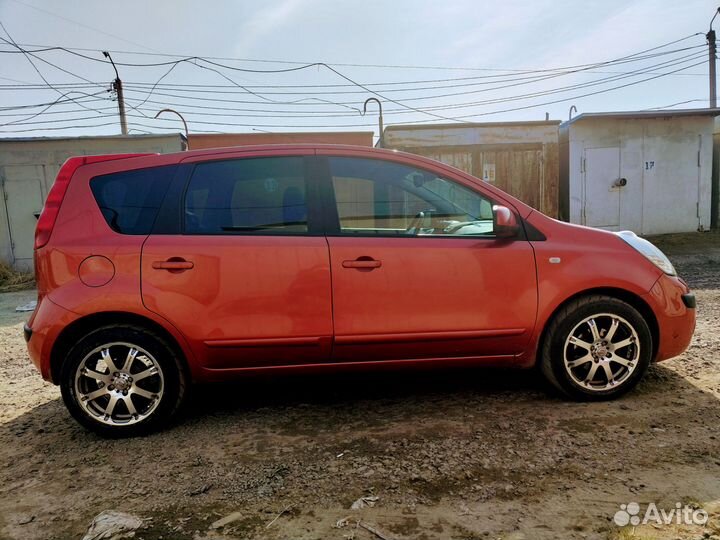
point(689, 300)
point(674, 308)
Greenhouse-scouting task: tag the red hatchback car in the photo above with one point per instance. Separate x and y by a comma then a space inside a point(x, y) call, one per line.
point(157, 270)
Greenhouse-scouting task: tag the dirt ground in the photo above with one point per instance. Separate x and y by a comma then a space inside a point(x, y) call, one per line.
point(457, 454)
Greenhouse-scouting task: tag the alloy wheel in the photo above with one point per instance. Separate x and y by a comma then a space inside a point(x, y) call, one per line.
point(119, 384)
point(601, 352)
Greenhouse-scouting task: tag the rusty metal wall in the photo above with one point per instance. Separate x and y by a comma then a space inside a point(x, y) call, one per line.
point(522, 159)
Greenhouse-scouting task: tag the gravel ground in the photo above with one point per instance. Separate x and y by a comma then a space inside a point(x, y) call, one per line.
point(457, 454)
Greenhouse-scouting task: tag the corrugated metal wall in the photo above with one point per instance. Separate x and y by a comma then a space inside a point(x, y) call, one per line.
point(28, 168)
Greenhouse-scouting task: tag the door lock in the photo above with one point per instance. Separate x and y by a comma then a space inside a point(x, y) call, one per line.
point(620, 182)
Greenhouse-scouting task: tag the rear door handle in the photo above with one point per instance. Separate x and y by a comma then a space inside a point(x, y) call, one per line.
point(362, 262)
point(174, 264)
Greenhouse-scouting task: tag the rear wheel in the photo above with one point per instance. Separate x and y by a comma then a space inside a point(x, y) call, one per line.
point(597, 347)
point(122, 381)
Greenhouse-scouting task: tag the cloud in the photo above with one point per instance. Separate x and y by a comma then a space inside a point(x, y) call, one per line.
point(268, 21)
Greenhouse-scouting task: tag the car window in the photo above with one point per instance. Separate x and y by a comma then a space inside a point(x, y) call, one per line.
point(130, 200)
point(247, 196)
point(388, 198)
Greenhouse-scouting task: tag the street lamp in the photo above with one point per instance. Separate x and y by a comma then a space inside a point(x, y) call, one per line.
point(187, 133)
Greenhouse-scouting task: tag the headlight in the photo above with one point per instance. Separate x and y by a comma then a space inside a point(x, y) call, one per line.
point(651, 253)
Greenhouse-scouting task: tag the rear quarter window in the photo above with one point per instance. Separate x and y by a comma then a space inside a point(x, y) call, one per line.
point(130, 200)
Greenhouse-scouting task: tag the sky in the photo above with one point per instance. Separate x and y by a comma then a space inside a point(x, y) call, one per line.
point(426, 61)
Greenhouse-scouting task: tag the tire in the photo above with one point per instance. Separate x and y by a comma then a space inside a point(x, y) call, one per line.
point(589, 364)
point(146, 387)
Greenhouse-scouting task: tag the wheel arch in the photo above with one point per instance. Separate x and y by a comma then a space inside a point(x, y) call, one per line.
point(78, 328)
point(626, 296)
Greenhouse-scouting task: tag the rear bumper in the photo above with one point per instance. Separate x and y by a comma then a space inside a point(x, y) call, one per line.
point(42, 331)
point(674, 308)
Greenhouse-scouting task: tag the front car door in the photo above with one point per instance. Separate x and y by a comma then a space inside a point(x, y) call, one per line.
point(417, 270)
point(247, 278)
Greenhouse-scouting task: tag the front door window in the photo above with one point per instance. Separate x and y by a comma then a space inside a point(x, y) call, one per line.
point(391, 199)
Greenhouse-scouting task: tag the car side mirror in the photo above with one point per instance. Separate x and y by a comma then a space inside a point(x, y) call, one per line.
point(505, 224)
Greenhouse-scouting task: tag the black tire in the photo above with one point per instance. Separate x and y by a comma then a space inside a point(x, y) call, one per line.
point(170, 383)
point(553, 348)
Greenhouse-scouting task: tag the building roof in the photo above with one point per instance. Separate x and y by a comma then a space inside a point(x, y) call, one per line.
point(402, 127)
point(215, 140)
point(94, 137)
point(632, 115)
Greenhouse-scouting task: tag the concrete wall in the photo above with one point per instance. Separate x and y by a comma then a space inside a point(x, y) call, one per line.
point(520, 158)
point(28, 168)
point(222, 140)
point(667, 163)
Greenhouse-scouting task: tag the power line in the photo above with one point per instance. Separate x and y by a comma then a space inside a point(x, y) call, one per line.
point(24, 121)
point(402, 107)
point(195, 61)
point(56, 102)
point(426, 111)
point(275, 126)
point(449, 106)
point(52, 13)
point(61, 127)
point(340, 64)
point(678, 103)
point(331, 114)
point(536, 73)
point(37, 70)
point(27, 54)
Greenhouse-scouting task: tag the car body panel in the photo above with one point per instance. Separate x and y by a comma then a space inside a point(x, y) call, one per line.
point(248, 301)
point(266, 303)
point(432, 297)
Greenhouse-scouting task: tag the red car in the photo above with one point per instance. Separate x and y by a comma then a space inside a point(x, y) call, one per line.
point(157, 270)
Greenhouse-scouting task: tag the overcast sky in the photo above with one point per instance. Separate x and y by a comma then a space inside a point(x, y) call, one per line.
point(490, 40)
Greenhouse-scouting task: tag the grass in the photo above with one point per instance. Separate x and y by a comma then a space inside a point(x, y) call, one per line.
point(13, 280)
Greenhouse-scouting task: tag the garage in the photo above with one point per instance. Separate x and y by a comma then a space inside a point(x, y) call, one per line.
point(645, 171)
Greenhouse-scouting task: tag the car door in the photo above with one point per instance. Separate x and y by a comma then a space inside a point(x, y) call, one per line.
point(246, 279)
point(417, 270)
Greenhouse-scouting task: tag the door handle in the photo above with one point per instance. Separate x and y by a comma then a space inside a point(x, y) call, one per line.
point(174, 264)
point(362, 262)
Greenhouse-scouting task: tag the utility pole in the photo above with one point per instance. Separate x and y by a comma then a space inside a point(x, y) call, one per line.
point(381, 138)
point(712, 52)
point(117, 86)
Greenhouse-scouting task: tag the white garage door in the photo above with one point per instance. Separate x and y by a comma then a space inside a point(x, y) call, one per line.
point(24, 196)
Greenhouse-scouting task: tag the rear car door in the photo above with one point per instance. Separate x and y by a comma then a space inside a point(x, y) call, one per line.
point(246, 277)
point(417, 270)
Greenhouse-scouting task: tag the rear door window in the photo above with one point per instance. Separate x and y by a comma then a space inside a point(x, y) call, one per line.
point(247, 196)
point(130, 200)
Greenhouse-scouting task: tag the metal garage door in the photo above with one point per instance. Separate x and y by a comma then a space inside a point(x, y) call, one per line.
point(24, 196)
point(601, 203)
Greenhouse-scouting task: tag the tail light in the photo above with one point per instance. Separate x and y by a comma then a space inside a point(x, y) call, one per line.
point(50, 211)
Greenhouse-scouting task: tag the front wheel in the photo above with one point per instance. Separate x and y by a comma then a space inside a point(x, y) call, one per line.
point(122, 380)
point(597, 347)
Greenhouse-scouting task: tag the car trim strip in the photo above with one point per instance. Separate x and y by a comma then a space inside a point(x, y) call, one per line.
point(428, 336)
